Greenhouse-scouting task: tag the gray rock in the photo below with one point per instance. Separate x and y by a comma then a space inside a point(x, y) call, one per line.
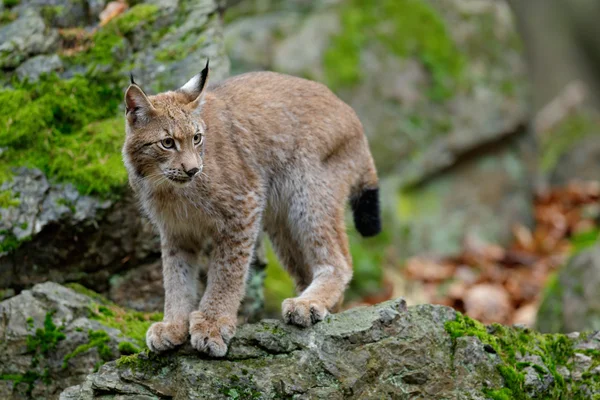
point(25, 37)
point(45, 344)
point(383, 351)
point(571, 150)
point(38, 65)
point(59, 234)
point(482, 196)
point(571, 301)
point(183, 51)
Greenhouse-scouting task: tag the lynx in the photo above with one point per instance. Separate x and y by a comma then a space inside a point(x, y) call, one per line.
point(257, 151)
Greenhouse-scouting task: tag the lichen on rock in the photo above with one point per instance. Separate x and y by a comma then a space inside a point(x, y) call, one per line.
point(383, 351)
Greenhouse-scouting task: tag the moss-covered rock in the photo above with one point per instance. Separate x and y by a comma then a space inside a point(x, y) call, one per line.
point(384, 351)
point(52, 336)
point(571, 301)
point(67, 213)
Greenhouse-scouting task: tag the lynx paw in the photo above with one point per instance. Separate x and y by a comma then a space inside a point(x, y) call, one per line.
point(211, 336)
point(303, 312)
point(163, 336)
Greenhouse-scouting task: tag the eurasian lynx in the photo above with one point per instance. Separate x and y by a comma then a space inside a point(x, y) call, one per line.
point(259, 150)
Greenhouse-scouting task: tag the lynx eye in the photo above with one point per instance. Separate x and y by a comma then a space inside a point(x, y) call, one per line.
point(168, 143)
point(198, 139)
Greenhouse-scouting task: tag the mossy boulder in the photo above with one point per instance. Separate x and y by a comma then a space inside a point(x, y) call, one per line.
point(383, 351)
point(52, 336)
point(67, 214)
point(571, 300)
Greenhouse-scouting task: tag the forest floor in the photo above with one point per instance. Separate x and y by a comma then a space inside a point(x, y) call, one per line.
point(497, 284)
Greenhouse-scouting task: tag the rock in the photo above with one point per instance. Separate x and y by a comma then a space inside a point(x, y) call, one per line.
point(571, 150)
point(481, 196)
point(571, 301)
point(488, 301)
point(52, 232)
point(194, 36)
point(51, 337)
point(24, 37)
point(412, 134)
point(383, 351)
point(42, 64)
point(437, 135)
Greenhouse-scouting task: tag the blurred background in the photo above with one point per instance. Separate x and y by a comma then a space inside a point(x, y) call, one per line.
point(481, 114)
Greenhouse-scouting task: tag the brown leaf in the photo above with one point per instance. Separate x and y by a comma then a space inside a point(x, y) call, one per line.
point(113, 9)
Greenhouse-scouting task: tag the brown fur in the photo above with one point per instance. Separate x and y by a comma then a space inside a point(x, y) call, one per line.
point(279, 153)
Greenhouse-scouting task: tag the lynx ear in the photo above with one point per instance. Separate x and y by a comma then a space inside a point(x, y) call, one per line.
point(194, 88)
point(139, 109)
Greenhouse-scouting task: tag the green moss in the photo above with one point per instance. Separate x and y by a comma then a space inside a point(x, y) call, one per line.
point(7, 16)
point(408, 28)
point(97, 340)
point(45, 339)
point(51, 125)
point(584, 240)
point(181, 50)
point(132, 324)
point(564, 136)
point(49, 13)
point(29, 378)
point(145, 362)
point(555, 350)
point(98, 298)
point(8, 199)
point(126, 348)
point(10, 3)
point(11, 242)
point(136, 16)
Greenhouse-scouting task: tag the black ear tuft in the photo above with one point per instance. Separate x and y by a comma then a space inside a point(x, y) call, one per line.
point(203, 76)
point(131, 78)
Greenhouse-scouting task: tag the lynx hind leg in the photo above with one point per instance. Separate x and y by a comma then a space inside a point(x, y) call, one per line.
point(323, 243)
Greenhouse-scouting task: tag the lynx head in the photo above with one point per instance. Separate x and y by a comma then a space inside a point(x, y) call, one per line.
point(165, 133)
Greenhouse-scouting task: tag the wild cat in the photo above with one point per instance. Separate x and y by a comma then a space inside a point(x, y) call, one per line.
point(258, 151)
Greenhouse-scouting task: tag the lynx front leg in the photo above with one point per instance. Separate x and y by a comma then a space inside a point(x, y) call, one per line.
point(213, 325)
point(180, 275)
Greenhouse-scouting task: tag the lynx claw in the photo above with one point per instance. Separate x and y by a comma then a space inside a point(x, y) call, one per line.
point(211, 336)
point(162, 336)
point(303, 312)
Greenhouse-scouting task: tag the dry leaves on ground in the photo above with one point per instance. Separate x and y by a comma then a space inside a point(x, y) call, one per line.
point(495, 284)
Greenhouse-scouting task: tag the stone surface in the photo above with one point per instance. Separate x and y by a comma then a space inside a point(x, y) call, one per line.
point(64, 236)
point(38, 329)
point(571, 299)
point(412, 135)
point(383, 351)
point(42, 64)
point(481, 196)
point(26, 36)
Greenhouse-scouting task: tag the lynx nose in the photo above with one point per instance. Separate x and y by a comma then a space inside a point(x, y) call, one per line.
point(192, 172)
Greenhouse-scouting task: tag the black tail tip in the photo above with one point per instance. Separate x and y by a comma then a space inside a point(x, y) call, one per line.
point(367, 218)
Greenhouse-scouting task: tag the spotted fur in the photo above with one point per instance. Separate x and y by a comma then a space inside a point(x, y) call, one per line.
point(278, 153)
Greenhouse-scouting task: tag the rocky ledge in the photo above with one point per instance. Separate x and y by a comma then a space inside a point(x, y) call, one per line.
point(384, 351)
